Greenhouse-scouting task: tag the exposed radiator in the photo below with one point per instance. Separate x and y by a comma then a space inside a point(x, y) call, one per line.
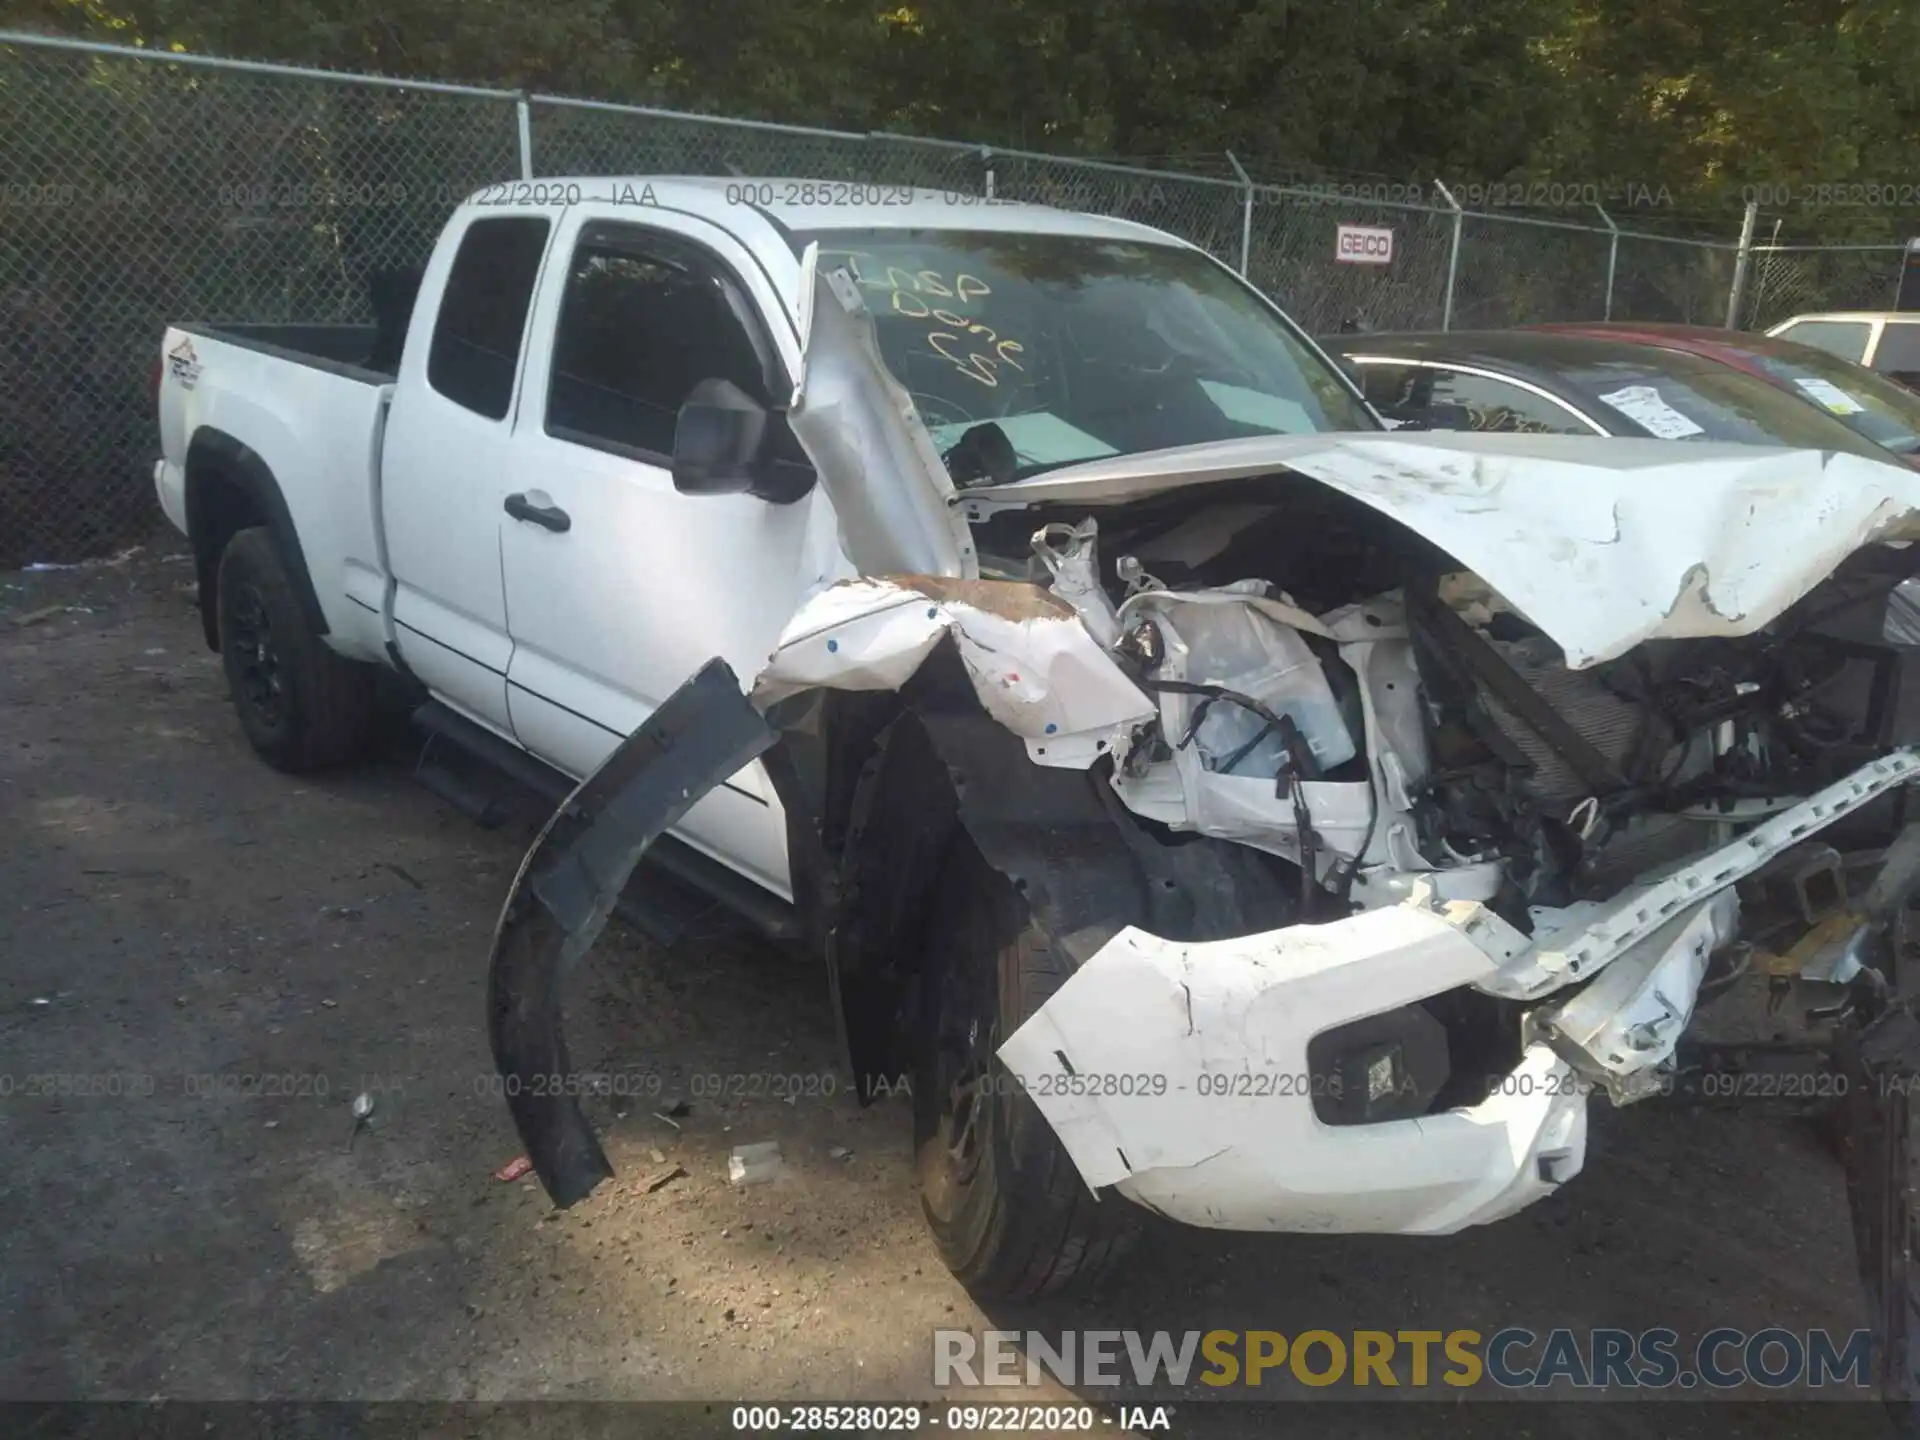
point(1610, 724)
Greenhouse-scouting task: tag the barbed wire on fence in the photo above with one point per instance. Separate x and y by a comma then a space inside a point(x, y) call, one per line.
point(142, 188)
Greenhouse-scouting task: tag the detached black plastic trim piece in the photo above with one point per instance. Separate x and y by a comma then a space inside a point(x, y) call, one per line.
point(567, 888)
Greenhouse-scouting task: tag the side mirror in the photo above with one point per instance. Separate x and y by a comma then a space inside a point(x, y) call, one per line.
point(717, 440)
point(725, 443)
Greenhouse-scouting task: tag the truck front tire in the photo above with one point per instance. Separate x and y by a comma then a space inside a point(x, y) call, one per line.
point(302, 706)
point(1009, 1211)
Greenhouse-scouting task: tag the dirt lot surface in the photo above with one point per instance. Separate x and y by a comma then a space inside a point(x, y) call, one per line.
point(218, 958)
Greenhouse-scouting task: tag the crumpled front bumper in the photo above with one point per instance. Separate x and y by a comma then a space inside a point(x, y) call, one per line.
point(1178, 1074)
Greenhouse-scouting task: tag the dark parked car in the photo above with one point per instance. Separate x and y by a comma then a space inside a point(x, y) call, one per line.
point(1668, 383)
point(1869, 403)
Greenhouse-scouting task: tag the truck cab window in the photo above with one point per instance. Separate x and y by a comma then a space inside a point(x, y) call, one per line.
point(639, 328)
point(483, 314)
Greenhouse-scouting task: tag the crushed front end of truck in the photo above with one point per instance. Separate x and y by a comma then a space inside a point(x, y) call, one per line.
point(1508, 881)
point(1392, 799)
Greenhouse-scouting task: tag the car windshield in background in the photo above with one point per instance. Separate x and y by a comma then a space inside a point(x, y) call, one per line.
point(1079, 348)
point(1867, 404)
point(1712, 402)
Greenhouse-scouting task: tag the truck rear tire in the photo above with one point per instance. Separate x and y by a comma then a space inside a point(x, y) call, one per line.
point(1008, 1209)
point(302, 706)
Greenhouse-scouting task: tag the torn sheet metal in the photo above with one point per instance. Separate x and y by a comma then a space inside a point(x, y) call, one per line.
point(1574, 943)
point(875, 460)
point(1203, 1153)
point(1238, 638)
point(1375, 643)
point(1183, 797)
point(1231, 1140)
point(1623, 1027)
point(1601, 542)
point(1070, 556)
point(1033, 664)
point(1352, 819)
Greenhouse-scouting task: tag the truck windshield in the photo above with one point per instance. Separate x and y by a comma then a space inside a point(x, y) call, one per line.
point(1080, 347)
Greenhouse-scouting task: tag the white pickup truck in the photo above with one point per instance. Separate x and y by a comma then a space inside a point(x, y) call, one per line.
point(1212, 803)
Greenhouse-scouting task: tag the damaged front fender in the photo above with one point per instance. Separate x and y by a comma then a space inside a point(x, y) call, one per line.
point(1038, 679)
point(1032, 663)
point(1033, 667)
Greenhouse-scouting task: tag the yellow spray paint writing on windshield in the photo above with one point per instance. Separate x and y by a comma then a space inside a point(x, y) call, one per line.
point(972, 348)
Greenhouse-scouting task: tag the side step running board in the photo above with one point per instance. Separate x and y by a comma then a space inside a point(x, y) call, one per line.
point(498, 754)
point(645, 907)
point(767, 913)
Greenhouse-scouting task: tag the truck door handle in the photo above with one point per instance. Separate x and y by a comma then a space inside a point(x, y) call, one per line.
point(550, 516)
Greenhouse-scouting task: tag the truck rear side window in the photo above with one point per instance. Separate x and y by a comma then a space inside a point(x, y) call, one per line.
point(483, 314)
point(644, 322)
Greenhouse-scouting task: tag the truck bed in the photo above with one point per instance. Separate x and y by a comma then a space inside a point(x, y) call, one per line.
point(360, 352)
point(343, 349)
point(300, 409)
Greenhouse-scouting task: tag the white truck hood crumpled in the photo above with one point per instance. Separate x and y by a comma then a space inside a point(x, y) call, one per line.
point(1602, 543)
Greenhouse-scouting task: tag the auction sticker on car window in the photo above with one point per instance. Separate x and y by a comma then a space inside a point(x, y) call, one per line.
point(1828, 394)
point(1644, 405)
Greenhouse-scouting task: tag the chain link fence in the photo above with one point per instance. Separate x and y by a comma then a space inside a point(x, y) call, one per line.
point(1518, 272)
point(140, 188)
point(1290, 256)
point(1789, 280)
point(1686, 282)
point(135, 192)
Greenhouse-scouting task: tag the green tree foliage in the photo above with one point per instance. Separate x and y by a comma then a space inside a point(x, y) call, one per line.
point(1701, 96)
point(1718, 94)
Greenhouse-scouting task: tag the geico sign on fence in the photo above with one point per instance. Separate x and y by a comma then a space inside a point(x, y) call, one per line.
point(1364, 244)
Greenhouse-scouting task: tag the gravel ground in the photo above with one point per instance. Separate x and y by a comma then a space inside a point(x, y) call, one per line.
point(220, 957)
